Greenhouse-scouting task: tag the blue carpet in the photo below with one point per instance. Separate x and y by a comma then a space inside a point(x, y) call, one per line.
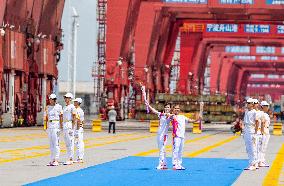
point(141, 171)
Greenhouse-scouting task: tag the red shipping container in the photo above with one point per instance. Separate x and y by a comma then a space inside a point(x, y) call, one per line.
point(14, 52)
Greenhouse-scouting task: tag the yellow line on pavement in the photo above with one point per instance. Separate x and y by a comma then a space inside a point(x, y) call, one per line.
point(272, 177)
point(46, 146)
point(36, 155)
point(208, 148)
point(146, 153)
point(25, 137)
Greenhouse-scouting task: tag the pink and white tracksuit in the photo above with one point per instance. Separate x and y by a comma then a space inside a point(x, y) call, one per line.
point(178, 123)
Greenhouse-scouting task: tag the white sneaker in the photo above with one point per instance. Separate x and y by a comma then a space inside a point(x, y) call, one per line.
point(161, 167)
point(263, 164)
point(69, 162)
point(49, 164)
point(178, 167)
point(251, 167)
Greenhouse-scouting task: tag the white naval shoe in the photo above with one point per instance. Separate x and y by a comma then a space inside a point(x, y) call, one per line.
point(263, 164)
point(54, 163)
point(49, 164)
point(69, 162)
point(78, 161)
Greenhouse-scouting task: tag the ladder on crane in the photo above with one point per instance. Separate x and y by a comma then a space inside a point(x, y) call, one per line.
point(99, 64)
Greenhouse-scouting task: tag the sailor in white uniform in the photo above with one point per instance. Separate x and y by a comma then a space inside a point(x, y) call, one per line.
point(79, 130)
point(53, 118)
point(250, 133)
point(69, 121)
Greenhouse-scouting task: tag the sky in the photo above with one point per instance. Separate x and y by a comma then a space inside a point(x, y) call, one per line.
point(87, 35)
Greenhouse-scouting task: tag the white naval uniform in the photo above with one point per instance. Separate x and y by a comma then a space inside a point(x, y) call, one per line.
point(52, 114)
point(249, 135)
point(68, 131)
point(162, 137)
point(265, 138)
point(79, 135)
point(178, 122)
point(258, 136)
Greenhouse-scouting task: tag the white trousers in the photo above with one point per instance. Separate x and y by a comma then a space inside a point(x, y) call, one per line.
point(79, 142)
point(178, 144)
point(69, 142)
point(263, 143)
point(251, 146)
point(162, 141)
point(53, 137)
point(257, 146)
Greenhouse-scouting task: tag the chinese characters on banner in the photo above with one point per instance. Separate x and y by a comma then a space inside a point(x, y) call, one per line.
point(257, 28)
point(248, 28)
point(187, 1)
point(280, 29)
point(275, 2)
point(237, 49)
point(265, 50)
point(236, 2)
point(222, 28)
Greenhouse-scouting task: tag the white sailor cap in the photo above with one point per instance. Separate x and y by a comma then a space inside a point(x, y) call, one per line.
point(52, 96)
point(264, 103)
point(79, 100)
point(250, 100)
point(255, 101)
point(68, 95)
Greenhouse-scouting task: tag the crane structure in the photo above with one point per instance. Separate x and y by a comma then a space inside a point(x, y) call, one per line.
point(30, 45)
point(221, 43)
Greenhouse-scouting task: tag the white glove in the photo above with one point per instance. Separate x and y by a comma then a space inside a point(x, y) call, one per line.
point(76, 134)
point(58, 132)
point(71, 132)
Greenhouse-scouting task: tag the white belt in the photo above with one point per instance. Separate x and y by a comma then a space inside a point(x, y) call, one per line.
point(53, 121)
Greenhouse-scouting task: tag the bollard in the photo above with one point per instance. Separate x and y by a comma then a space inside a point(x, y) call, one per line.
point(196, 128)
point(97, 125)
point(154, 125)
point(277, 129)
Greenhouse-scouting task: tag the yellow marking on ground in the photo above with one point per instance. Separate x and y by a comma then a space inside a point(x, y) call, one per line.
point(26, 137)
point(46, 146)
point(36, 154)
point(152, 151)
point(210, 147)
point(273, 174)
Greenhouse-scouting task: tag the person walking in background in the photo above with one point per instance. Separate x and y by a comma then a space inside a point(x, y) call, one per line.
point(111, 119)
point(79, 131)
